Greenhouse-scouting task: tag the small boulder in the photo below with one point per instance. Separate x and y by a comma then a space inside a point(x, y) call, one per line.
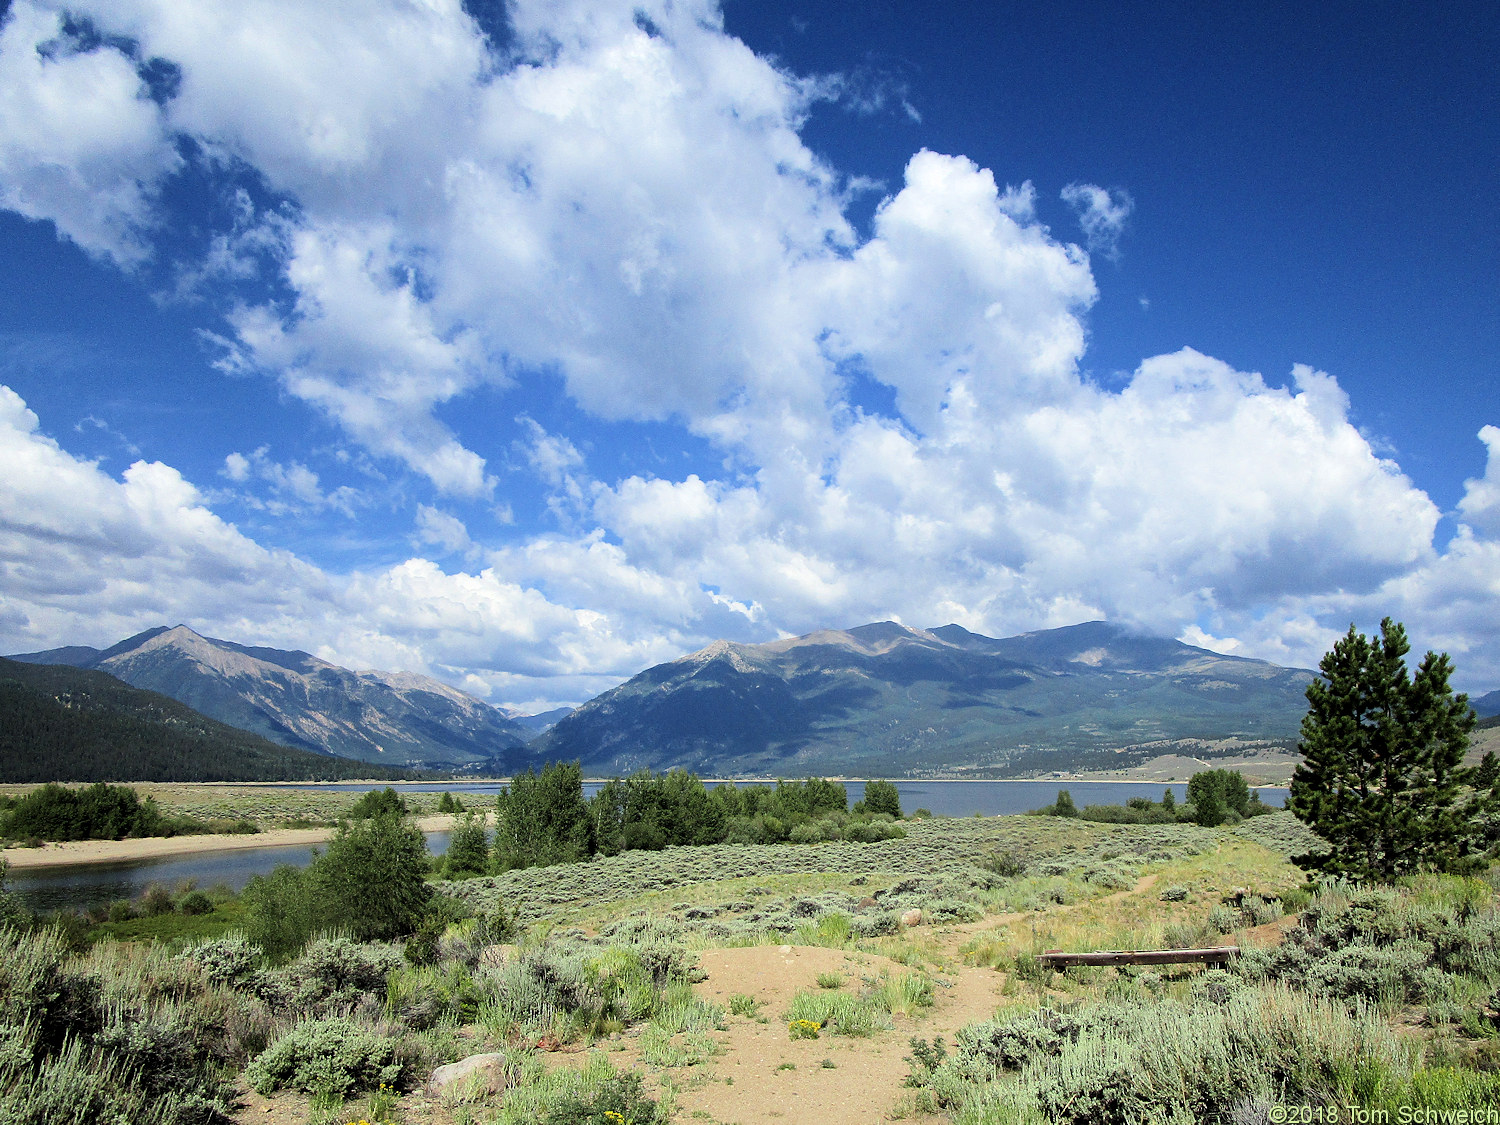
point(867, 902)
point(471, 1079)
point(912, 917)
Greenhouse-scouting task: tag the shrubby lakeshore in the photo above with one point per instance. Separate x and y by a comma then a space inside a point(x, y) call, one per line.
point(661, 951)
point(310, 995)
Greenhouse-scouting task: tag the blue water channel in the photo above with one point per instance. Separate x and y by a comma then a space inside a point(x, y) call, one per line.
point(85, 885)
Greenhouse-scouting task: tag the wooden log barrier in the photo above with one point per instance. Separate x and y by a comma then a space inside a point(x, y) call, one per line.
point(1218, 955)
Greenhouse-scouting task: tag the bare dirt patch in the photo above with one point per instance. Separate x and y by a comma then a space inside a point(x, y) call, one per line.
point(766, 1076)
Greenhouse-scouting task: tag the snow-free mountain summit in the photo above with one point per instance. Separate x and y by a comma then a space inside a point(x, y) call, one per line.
point(877, 700)
point(887, 700)
point(391, 718)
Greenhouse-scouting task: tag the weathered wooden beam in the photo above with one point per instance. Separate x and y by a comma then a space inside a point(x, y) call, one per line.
point(1218, 955)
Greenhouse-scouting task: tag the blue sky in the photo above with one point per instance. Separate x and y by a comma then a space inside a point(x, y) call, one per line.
point(527, 345)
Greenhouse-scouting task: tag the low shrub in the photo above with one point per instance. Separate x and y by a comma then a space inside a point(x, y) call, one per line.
point(157, 900)
point(196, 902)
point(132, 1033)
point(329, 1058)
point(230, 960)
point(1198, 1059)
point(1006, 864)
point(333, 975)
point(422, 997)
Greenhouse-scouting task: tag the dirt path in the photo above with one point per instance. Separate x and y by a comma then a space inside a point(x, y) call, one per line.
point(766, 1076)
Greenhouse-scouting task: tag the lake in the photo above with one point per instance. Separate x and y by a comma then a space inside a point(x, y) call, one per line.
point(87, 885)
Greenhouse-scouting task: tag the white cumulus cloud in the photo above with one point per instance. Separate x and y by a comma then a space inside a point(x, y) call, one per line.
point(622, 205)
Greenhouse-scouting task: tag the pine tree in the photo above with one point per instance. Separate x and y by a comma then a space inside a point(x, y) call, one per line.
point(1382, 777)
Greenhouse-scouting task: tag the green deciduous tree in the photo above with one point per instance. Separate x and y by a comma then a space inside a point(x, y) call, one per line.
point(468, 848)
point(372, 880)
point(542, 819)
point(880, 797)
point(1381, 777)
point(370, 884)
point(378, 802)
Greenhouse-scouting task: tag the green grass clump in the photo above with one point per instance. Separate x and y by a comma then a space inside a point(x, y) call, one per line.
point(563, 1096)
point(866, 1012)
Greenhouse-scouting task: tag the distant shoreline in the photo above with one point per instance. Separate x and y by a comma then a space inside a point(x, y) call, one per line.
point(70, 853)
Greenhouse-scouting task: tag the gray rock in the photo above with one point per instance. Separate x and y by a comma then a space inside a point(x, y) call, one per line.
point(470, 1080)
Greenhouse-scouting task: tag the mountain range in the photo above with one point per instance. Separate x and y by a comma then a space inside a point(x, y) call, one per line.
point(59, 723)
point(888, 700)
point(878, 700)
point(293, 698)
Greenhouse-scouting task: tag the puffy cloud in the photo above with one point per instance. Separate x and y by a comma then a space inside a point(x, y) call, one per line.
point(294, 488)
point(1101, 214)
point(955, 295)
point(361, 345)
point(442, 529)
point(623, 202)
point(81, 142)
point(1480, 506)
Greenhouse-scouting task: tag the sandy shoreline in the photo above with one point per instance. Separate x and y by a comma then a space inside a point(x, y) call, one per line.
point(73, 852)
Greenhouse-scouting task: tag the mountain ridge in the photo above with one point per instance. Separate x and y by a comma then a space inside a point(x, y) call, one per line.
point(63, 723)
point(297, 699)
point(884, 697)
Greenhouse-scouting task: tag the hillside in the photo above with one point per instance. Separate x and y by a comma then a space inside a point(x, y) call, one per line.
point(394, 719)
point(59, 723)
point(884, 699)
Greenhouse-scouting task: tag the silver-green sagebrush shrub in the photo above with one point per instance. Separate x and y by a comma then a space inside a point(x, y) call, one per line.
point(1186, 1061)
point(115, 1035)
point(230, 960)
point(333, 975)
point(331, 1057)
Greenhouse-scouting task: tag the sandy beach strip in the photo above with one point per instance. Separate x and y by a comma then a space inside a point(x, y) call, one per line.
point(71, 852)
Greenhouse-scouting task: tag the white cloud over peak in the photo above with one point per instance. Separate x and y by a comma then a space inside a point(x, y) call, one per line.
point(92, 558)
point(85, 554)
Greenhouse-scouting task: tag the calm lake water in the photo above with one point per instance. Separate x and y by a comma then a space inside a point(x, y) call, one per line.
point(90, 884)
